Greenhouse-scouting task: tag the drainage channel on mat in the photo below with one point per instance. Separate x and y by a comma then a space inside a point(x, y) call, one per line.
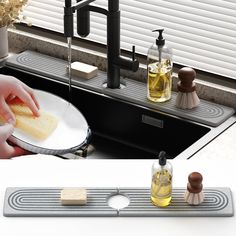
point(46, 202)
point(207, 113)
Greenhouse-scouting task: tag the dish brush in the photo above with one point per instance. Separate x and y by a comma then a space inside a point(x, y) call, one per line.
point(187, 97)
point(194, 194)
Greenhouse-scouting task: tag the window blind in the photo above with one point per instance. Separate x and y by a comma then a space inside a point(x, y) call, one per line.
point(202, 33)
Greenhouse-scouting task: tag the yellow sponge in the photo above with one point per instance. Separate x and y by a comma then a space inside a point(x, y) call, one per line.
point(38, 127)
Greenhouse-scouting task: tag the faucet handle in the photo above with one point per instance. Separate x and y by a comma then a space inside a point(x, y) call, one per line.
point(127, 63)
point(133, 52)
point(135, 62)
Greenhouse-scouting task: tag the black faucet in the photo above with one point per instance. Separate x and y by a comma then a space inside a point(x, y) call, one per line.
point(115, 61)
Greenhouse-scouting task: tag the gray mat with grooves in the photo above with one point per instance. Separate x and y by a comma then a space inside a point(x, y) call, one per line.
point(23, 202)
point(207, 113)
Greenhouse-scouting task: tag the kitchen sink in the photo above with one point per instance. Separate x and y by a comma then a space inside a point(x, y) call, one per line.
point(125, 130)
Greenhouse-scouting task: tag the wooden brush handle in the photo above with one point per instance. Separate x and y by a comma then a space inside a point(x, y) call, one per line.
point(195, 182)
point(186, 76)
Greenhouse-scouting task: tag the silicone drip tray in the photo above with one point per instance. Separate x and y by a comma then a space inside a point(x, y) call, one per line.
point(21, 202)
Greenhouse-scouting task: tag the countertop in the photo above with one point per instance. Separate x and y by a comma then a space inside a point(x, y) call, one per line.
point(43, 172)
point(222, 147)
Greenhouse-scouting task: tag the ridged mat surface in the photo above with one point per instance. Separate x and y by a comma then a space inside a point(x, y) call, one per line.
point(46, 202)
point(207, 113)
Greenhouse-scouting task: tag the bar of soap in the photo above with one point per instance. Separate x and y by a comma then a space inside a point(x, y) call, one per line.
point(83, 70)
point(77, 196)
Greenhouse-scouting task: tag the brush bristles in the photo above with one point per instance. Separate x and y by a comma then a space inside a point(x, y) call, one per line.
point(187, 100)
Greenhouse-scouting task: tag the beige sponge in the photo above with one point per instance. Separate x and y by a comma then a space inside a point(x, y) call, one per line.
point(75, 196)
point(83, 70)
point(37, 127)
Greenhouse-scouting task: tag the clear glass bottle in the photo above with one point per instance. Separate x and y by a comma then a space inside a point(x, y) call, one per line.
point(159, 69)
point(161, 187)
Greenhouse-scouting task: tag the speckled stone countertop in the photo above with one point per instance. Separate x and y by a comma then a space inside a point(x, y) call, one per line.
point(19, 41)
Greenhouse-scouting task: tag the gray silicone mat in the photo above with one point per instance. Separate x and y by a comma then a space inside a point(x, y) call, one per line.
point(207, 113)
point(46, 202)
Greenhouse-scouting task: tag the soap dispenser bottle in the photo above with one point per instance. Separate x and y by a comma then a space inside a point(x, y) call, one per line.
point(161, 187)
point(159, 69)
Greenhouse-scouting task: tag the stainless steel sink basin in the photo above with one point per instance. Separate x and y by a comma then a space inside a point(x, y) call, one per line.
point(122, 129)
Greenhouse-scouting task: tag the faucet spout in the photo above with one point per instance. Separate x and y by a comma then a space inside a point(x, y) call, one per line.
point(114, 59)
point(68, 15)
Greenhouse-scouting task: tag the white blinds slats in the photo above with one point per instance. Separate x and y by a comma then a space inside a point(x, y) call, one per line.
point(47, 14)
point(202, 33)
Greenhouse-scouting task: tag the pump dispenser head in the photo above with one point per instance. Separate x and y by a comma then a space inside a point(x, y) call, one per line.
point(162, 158)
point(160, 41)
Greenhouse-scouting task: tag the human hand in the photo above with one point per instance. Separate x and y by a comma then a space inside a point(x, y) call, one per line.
point(11, 87)
point(6, 150)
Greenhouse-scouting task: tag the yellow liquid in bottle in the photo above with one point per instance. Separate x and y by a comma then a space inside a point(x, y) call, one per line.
point(159, 81)
point(161, 188)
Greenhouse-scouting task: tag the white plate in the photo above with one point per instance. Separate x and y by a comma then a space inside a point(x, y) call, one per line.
point(71, 133)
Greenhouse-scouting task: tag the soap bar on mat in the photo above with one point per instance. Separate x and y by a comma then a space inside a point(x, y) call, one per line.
point(83, 70)
point(39, 128)
point(75, 196)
